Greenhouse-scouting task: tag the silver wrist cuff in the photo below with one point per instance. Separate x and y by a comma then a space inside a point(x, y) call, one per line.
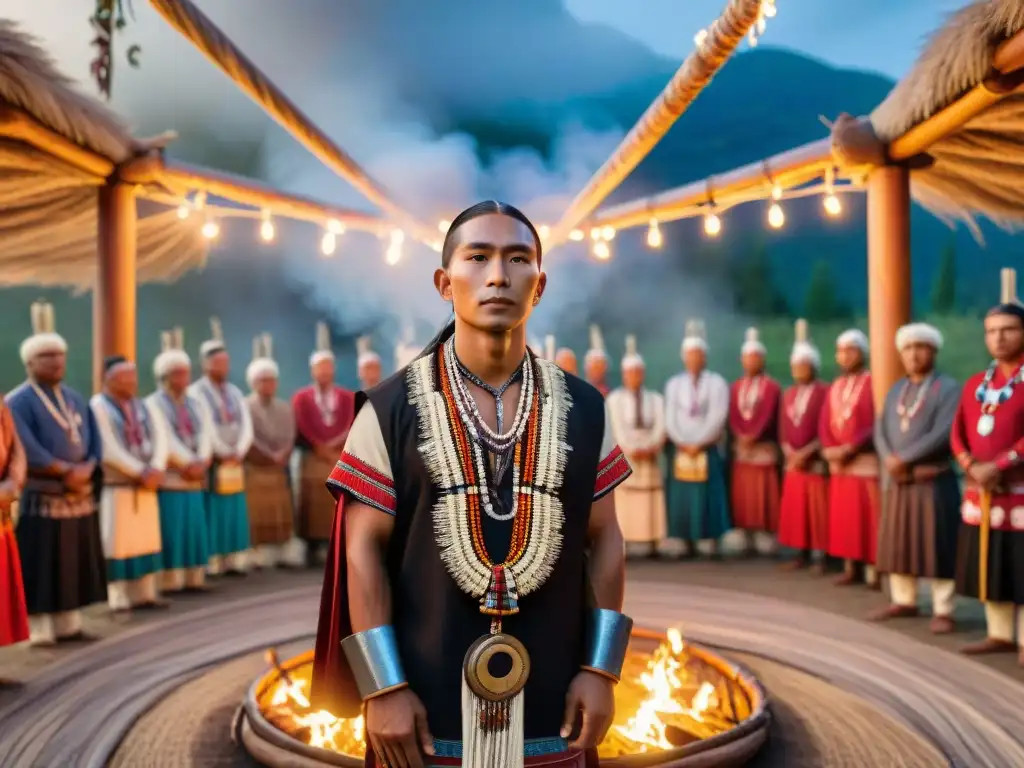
point(607, 637)
point(373, 657)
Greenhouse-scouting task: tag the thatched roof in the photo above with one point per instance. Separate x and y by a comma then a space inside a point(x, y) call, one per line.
point(48, 208)
point(978, 169)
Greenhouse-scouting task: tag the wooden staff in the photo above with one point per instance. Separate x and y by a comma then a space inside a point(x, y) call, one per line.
point(985, 501)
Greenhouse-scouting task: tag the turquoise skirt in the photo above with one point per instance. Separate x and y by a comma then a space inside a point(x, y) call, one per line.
point(697, 511)
point(133, 568)
point(227, 523)
point(183, 530)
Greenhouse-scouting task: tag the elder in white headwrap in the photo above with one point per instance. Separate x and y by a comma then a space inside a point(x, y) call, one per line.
point(918, 333)
point(323, 352)
point(262, 365)
point(367, 363)
point(44, 339)
point(804, 350)
point(694, 340)
point(851, 350)
point(632, 359)
point(172, 355)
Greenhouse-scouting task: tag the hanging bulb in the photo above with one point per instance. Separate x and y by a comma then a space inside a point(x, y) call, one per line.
point(328, 243)
point(335, 227)
point(397, 237)
point(267, 231)
point(654, 239)
point(776, 217)
point(832, 205)
point(712, 225)
point(544, 231)
point(577, 235)
point(183, 211)
point(393, 255)
point(608, 233)
point(602, 251)
point(442, 226)
point(211, 229)
point(595, 233)
point(776, 192)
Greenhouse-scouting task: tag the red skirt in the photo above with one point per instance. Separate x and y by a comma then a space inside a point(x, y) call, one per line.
point(804, 520)
point(13, 614)
point(572, 759)
point(854, 513)
point(755, 497)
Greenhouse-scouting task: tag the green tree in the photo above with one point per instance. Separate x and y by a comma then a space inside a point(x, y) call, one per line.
point(943, 301)
point(754, 287)
point(822, 302)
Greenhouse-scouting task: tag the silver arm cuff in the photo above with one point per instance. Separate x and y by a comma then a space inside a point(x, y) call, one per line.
point(373, 657)
point(607, 637)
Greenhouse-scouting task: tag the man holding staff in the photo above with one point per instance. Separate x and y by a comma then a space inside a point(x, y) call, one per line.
point(988, 442)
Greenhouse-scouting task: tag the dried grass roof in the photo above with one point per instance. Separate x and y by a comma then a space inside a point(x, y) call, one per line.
point(977, 170)
point(48, 209)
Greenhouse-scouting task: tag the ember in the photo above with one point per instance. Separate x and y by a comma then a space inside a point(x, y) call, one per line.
point(671, 695)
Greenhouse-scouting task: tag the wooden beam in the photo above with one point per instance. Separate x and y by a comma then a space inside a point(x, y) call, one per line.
point(889, 290)
point(114, 293)
point(20, 126)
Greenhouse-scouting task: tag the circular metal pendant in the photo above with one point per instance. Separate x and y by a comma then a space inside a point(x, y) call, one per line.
point(476, 667)
point(985, 424)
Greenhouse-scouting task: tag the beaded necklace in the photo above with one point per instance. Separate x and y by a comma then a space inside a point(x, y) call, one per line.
point(798, 407)
point(132, 421)
point(748, 396)
point(65, 416)
point(905, 413)
point(844, 401)
point(990, 401)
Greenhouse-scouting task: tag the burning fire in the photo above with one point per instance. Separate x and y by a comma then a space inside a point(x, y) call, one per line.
point(666, 699)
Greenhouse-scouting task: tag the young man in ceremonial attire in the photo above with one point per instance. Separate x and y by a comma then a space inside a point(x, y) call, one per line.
point(231, 437)
point(921, 501)
point(595, 364)
point(184, 531)
point(803, 523)
point(323, 416)
point(13, 469)
point(463, 524)
point(267, 479)
point(368, 366)
point(135, 450)
point(638, 425)
point(696, 413)
point(988, 441)
point(846, 429)
point(58, 531)
point(754, 424)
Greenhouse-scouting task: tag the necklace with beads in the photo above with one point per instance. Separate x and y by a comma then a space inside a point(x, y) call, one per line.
point(991, 400)
point(907, 413)
point(798, 407)
point(749, 395)
point(846, 399)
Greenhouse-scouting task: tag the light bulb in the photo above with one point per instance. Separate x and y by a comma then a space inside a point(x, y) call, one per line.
point(595, 233)
point(776, 218)
point(608, 233)
point(712, 225)
point(393, 255)
point(577, 235)
point(544, 231)
point(183, 211)
point(335, 227)
point(267, 230)
point(832, 205)
point(776, 192)
point(211, 229)
point(328, 243)
point(654, 239)
point(602, 251)
point(397, 237)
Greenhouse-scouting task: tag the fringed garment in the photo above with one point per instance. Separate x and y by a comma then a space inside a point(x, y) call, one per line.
point(803, 522)
point(267, 481)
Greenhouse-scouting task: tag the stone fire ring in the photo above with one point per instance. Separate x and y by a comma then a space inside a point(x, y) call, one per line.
point(274, 748)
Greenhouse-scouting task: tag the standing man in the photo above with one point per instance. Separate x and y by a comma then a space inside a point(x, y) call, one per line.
point(921, 504)
point(226, 509)
point(804, 507)
point(58, 530)
point(754, 423)
point(988, 442)
point(267, 481)
point(439, 565)
point(135, 450)
point(595, 364)
point(846, 430)
point(13, 469)
point(184, 532)
point(323, 416)
point(638, 425)
point(367, 363)
point(696, 412)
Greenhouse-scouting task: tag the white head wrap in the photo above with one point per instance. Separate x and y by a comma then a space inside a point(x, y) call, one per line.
point(803, 350)
point(216, 341)
point(918, 333)
point(172, 355)
point(695, 337)
point(365, 353)
point(323, 345)
point(752, 343)
point(632, 357)
point(853, 338)
point(597, 350)
point(262, 364)
point(44, 338)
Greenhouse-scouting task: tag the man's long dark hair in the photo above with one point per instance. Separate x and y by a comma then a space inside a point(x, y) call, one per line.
point(484, 208)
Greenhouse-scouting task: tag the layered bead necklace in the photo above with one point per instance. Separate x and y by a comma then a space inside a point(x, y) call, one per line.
point(907, 413)
point(749, 396)
point(498, 443)
point(991, 400)
point(798, 407)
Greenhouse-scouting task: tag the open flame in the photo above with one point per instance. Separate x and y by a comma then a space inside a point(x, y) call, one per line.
point(666, 698)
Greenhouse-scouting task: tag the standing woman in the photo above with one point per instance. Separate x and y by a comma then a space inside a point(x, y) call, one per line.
point(13, 614)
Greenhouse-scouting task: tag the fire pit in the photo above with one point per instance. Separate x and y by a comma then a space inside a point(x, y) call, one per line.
point(678, 705)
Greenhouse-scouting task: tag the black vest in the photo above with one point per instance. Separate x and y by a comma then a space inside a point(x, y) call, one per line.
point(435, 621)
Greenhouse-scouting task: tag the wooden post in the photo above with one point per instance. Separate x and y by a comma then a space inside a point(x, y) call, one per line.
point(889, 293)
point(113, 298)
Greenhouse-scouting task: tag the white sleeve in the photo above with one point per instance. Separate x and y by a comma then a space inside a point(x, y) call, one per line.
point(161, 440)
point(245, 436)
point(205, 442)
point(114, 454)
point(618, 428)
point(717, 413)
point(656, 436)
point(177, 453)
point(672, 426)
